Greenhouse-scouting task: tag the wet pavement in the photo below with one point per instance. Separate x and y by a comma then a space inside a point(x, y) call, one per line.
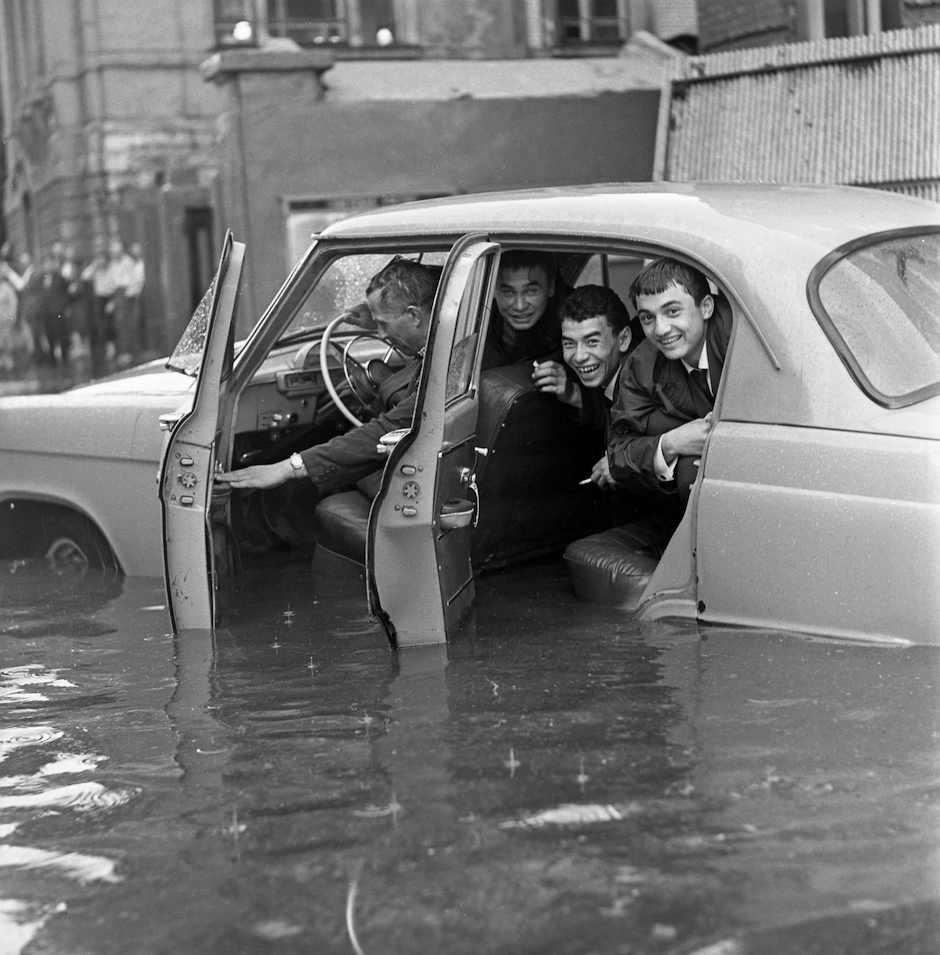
point(556, 780)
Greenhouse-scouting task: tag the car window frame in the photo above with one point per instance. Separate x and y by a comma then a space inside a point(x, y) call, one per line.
point(846, 356)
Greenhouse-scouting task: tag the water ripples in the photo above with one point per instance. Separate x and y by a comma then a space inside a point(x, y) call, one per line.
point(41, 792)
point(80, 797)
point(16, 737)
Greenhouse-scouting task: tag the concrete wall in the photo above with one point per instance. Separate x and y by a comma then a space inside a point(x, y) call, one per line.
point(427, 147)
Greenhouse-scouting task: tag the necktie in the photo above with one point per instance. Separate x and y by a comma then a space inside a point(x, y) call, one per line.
point(509, 337)
point(700, 377)
point(701, 396)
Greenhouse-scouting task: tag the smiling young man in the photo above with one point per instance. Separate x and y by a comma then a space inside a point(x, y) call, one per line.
point(662, 412)
point(525, 324)
point(595, 339)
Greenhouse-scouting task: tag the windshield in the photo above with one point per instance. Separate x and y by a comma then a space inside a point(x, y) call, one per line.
point(342, 287)
point(879, 302)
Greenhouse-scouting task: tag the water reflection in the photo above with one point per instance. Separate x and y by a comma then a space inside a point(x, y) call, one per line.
point(549, 782)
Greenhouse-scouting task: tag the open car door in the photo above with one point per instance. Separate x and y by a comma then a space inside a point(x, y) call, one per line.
point(187, 469)
point(418, 552)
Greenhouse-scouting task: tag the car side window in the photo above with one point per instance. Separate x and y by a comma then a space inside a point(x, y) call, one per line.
point(469, 322)
point(879, 302)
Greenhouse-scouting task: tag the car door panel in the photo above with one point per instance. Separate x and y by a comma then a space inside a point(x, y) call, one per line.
point(197, 546)
point(791, 523)
point(418, 554)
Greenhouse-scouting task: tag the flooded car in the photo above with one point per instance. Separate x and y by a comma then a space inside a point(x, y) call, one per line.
point(816, 508)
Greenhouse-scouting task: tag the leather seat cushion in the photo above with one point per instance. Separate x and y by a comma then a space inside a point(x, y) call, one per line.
point(342, 523)
point(614, 566)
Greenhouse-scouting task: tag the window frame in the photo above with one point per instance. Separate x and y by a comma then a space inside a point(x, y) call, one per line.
point(845, 353)
point(587, 23)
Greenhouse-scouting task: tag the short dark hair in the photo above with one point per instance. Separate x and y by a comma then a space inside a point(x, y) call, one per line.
point(663, 272)
point(591, 301)
point(403, 282)
point(516, 259)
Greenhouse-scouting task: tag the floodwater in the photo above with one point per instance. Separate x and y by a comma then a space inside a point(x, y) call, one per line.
point(555, 780)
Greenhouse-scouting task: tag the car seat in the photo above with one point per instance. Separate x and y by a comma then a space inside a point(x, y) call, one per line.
point(531, 502)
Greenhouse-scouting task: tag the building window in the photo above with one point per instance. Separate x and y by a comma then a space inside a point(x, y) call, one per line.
point(835, 18)
point(309, 23)
point(592, 21)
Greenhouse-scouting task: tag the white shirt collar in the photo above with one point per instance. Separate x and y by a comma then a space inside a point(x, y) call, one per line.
point(614, 382)
point(702, 361)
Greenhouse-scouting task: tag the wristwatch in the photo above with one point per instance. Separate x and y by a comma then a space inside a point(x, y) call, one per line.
point(297, 463)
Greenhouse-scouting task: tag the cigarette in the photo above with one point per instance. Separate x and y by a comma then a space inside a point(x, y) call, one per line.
point(535, 365)
point(585, 481)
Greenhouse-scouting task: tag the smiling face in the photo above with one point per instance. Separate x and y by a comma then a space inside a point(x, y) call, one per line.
point(674, 323)
point(522, 296)
point(593, 349)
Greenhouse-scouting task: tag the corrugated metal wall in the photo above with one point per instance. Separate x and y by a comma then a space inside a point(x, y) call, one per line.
point(860, 110)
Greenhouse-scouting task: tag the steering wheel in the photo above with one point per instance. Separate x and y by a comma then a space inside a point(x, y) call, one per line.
point(359, 377)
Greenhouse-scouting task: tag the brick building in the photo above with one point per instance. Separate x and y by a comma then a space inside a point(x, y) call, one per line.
point(167, 121)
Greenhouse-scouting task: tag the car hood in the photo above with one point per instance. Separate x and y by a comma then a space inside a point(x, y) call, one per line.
point(115, 417)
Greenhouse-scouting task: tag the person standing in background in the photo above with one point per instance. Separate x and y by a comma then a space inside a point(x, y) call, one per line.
point(9, 305)
point(26, 283)
point(134, 295)
point(122, 272)
point(101, 332)
point(51, 331)
point(76, 317)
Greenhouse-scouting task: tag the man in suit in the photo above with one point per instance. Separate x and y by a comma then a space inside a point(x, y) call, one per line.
point(526, 323)
point(399, 300)
point(662, 413)
point(596, 337)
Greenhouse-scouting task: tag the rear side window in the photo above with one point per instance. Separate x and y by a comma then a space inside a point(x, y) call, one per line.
point(879, 301)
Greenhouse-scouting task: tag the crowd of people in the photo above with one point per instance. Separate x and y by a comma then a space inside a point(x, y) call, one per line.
point(58, 309)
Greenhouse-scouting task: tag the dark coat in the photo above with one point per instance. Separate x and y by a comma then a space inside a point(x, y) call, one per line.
point(347, 458)
point(655, 396)
point(541, 342)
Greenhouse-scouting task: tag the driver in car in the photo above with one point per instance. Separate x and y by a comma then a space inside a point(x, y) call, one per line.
point(399, 299)
point(526, 325)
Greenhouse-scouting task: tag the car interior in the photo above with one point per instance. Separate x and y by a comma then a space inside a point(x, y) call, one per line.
point(532, 456)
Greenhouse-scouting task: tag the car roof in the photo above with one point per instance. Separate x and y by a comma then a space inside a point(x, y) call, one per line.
point(759, 242)
point(677, 215)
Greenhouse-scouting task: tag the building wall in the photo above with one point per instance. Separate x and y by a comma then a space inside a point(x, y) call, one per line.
point(741, 24)
point(413, 148)
point(857, 110)
point(105, 110)
point(112, 129)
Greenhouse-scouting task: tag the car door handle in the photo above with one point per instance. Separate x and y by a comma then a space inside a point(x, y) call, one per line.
point(457, 512)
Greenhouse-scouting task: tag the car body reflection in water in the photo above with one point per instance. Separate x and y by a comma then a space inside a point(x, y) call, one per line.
point(548, 782)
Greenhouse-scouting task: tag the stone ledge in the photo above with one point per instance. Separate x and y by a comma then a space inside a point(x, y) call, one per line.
point(267, 59)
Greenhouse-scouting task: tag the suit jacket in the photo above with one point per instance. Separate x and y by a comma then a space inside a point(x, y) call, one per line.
point(655, 396)
point(347, 458)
